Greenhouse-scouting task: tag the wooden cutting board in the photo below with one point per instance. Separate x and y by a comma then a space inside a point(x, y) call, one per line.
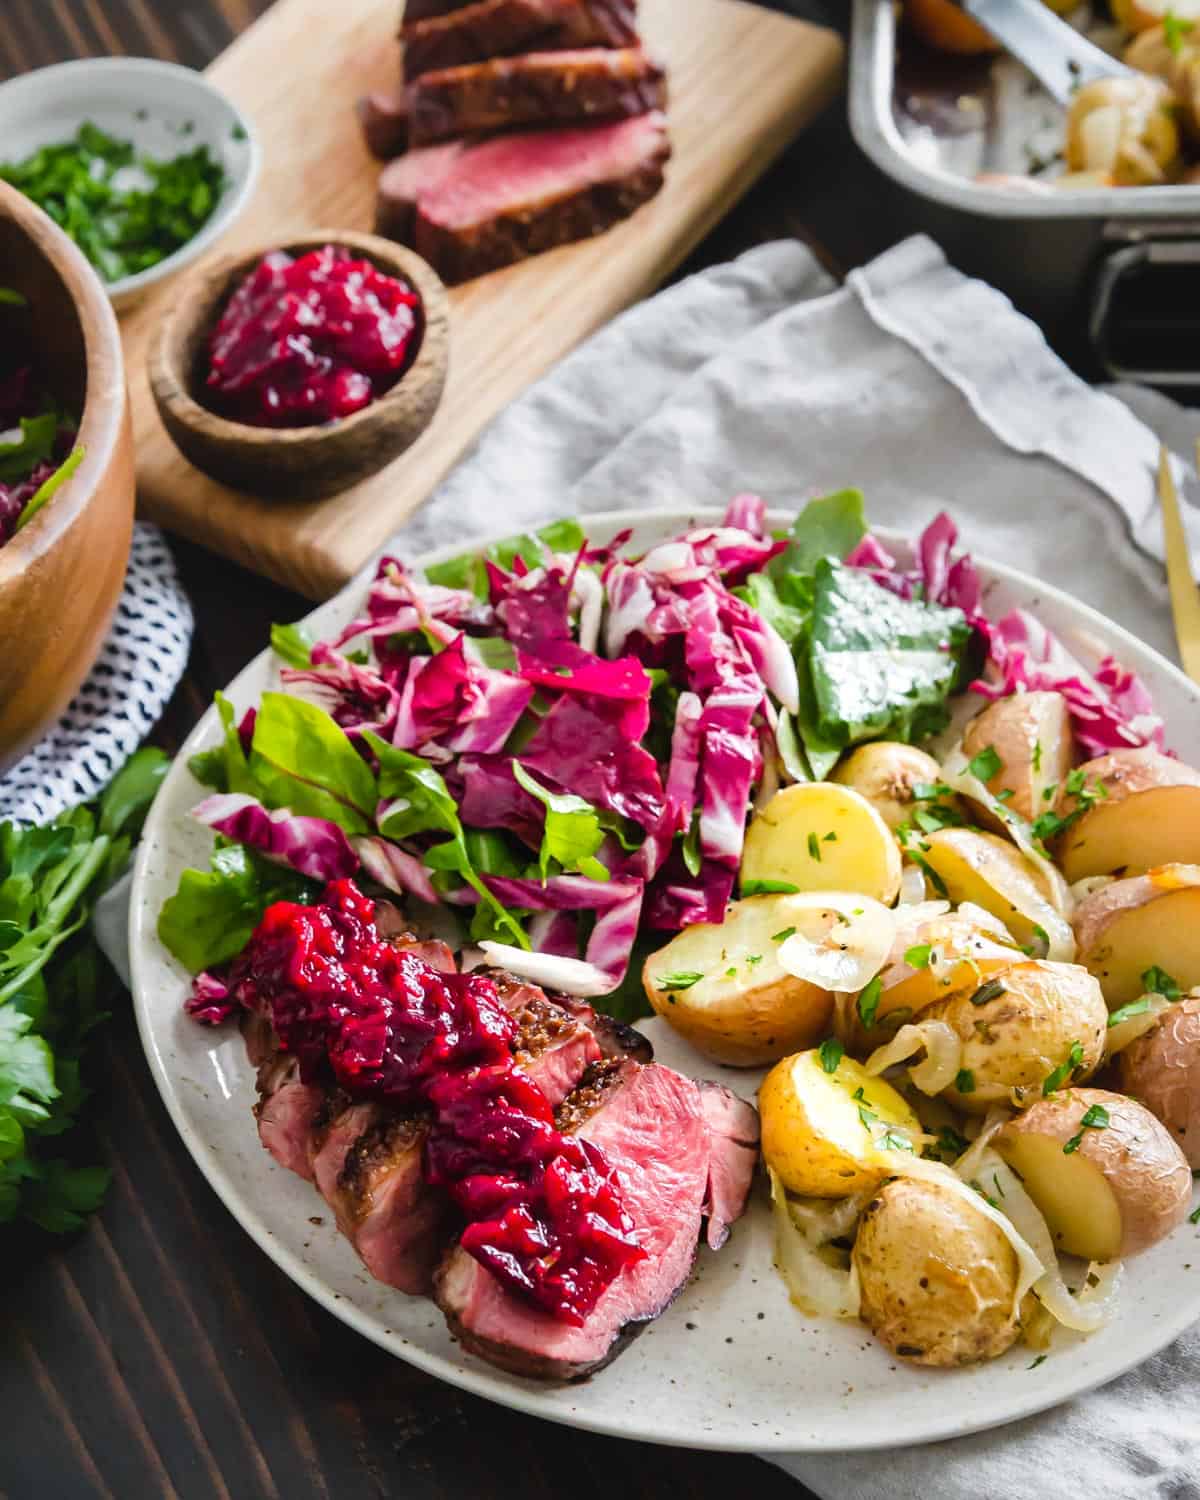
point(744, 81)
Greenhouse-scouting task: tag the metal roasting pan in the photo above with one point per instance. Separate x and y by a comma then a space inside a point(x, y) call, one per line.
point(1111, 274)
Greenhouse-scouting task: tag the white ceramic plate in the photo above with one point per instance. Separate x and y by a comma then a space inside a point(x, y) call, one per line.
point(731, 1364)
point(164, 109)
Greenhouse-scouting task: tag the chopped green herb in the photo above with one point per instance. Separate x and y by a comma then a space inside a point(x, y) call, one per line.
point(1040, 1360)
point(892, 1140)
point(983, 1193)
point(752, 959)
point(238, 132)
point(830, 838)
point(10, 298)
point(683, 980)
point(868, 1001)
point(964, 1081)
point(1175, 29)
point(992, 990)
point(1194, 1216)
point(1037, 755)
point(918, 956)
point(782, 935)
point(951, 1142)
point(1050, 792)
point(1095, 1117)
point(768, 888)
point(1041, 934)
point(930, 874)
point(1005, 794)
point(1158, 982)
point(1059, 1076)
point(731, 971)
point(930, 791)
point(814, 848)
point(986, 764)
point(830, 1053)
point(1137, 1007)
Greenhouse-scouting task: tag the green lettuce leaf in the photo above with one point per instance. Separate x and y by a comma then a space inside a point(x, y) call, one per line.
point(301, 759)
point(572, 833)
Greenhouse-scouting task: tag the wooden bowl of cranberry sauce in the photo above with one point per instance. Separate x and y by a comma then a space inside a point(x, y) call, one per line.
point(293, 371)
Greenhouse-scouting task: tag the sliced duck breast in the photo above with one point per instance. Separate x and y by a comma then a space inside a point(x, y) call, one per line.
point(499, 28)
point(733, 1128)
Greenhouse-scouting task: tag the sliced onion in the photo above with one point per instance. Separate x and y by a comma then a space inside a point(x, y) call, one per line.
point(820, 1220)
point(842, 939)
point(912, 885)
point(570, 976)
point(967, 1165)
point(1081, 888)
point(1118, 1037)
point(815, 1286)
point(943, 1055)
point(1082, 1314)
point(987, 922)
point(1100, 138)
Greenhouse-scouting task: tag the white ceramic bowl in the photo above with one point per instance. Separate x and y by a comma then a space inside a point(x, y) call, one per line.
point(164, 109)
point(731, 1364)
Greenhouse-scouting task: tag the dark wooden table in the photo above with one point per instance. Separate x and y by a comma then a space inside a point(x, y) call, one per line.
point(160, 1352)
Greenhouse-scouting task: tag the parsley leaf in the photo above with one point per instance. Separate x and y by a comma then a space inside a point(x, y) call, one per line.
point(768, 888)
point(918, 956)
point(992, 990)
point(868, 1001)
point(782, 935)
point(964, 1081)
point(986, 764)
point(1095, 1117)
point(683, 979)
point(1158, 982)
point(830, 1054)
point(1059, 1076)
point(814, 848)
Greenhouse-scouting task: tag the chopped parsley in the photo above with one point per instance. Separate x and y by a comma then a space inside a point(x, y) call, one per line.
point(964, 1081)
point(986, 764)
point(891, 1140)
point(830, 838)
point(1040, 1360)
point(1175, 28)
point(1126, 1012)
point(731, 971)
point(752, 959)
point(934, 879)
point(1194, 1216)
point(1095, 1117)
point(683, 980)
point(983, 1193)
point(814, 848)
point(1036, 759)
point(783, 934)
point(830, 1053)
point(918, 956)
point(868, 1001)
point(1158, 982)
point(992, 990)
point(768, 888)
point(1059, 1076)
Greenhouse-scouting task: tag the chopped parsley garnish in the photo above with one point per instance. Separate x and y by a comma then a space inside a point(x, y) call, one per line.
point(768, 888)
point(830, 838)
point(783, 934)
point(1159, 982)
point(731, 971)
point(683, 980)
point(949, 1140)
point(992, 990)
point(1194, 1216)
point(1041, 934)
point(752, 959)
point(1037, 755)
point(918, 956)
point(964, 1081)
point(986, 764)
point(934, 879)
point(814, 847)
point(1095, 1117)
point(986, 1196)
point(891, 1140)
point(1134, 1008)
point(865, 1113)
point(930, 791)
point(830, 1053)
point(1059, 1076)
point(1040, 1360)
point(1175, 28)
point(868, 1001)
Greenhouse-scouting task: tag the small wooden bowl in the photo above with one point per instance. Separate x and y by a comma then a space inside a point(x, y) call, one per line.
point(61, 576)
point(296, 463)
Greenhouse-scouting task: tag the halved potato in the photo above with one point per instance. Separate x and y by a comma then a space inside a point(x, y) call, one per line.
point(962, 956)
point(992, 873)
point(1148, 815)
point(731, 996)
point(1124, 126)
point(1162, 1068)
point(1142, 922)
point(937, 1277)
point(819, 836)
point(1031, 735)
point(1033, 1015)
point(823, 1132)
point(1122, 1186)
point(885, 772)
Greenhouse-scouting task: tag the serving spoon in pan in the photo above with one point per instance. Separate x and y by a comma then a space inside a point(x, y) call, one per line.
point(1055, 53)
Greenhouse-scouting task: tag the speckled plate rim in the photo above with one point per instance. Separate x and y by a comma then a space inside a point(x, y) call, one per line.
point(755, 1399)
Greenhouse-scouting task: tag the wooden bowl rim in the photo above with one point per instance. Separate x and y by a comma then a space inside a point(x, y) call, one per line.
point(198, 300)
point(104, 402)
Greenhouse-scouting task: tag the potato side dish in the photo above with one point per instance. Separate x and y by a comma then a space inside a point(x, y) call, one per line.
point(942, 957)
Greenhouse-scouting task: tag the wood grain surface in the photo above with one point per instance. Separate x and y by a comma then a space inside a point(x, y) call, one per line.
point(743, 81)
point(160, 1353)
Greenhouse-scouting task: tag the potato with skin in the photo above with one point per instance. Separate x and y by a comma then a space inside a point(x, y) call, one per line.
point(1162, 1069)
point(823, 1131)
point(752, 1015)
point(1122, 1186)
point(1124, 126)
point(818, 836)
point(1139, 809)
point(937, 1276)
point(1031, 735)
point(990, 872)
point(1177, 65)
point(885, 773)
point(1138, 923)
point(1033, 1014)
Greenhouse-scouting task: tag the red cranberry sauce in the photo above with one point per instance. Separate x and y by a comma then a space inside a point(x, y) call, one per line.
point(305, 341)
point(543, 1209)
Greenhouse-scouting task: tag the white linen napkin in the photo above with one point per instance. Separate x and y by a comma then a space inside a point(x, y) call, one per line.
point(928, 391)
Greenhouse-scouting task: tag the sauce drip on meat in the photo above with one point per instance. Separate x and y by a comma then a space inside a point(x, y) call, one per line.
point(543, 1210)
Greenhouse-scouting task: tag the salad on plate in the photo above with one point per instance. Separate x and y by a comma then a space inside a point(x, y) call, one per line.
point(808, 803)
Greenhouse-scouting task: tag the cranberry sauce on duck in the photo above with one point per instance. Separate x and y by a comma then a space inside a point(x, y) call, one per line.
point(308, 340)
point(543, 1209)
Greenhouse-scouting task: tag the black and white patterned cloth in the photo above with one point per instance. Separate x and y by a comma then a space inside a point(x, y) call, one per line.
point(135, 674)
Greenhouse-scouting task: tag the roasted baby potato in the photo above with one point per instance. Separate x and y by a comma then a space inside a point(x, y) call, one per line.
point(1142, 922)
point(885, 773)
point(961, 957)
point(1125, 127)
point(827, 1132)
point(819, 836)
point(1176, 60)
point(1162, 1068)
point(990, 872)
point(937, 1277)
point(1107, 1177)
point(1018, 1028)
point(1031, 736)
point(722, 987)
point(1137, 809)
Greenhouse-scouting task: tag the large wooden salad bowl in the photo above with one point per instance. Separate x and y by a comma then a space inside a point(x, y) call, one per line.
point(61, 576)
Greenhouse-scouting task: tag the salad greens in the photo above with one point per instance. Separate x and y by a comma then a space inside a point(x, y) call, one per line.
point(125, 212)
point(36, 456)
point(51, 975)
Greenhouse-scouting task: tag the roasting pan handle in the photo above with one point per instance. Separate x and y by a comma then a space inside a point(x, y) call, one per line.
point(1145, 317)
